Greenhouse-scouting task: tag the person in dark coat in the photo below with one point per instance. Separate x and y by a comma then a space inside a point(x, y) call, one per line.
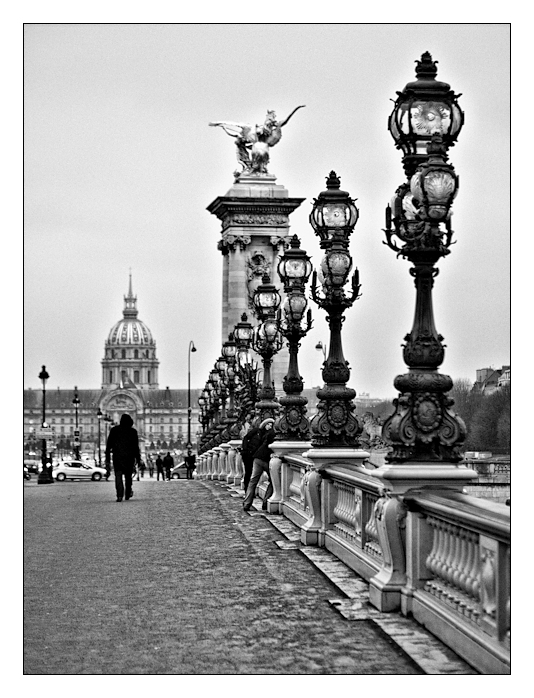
point(142, 468)
point(159, 468)
point(249, 445)
point(261, 465)
point(168, 463)
point(150, 466)
point(190, 464)
point(123, 444)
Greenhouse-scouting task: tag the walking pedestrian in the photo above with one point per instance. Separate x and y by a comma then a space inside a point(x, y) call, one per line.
point(190, 461)
point(260, 465)
point(150, 466)
point(142, 468)
point(123, 444)
point(168, 463)
point(159, 468)
point(249, 445)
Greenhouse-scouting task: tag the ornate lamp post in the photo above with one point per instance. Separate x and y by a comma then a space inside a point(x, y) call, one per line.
point(191, 349)
point(99, 416)
point(333, 218)
point(212, 386)
point(426, 120)
point(266, 341)
point(76, 402)
point(229, 351)
point(294, 269)
point(246, 371)
point(108, 421)
point(45, 476)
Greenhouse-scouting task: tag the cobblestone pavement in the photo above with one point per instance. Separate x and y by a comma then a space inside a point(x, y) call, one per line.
point(179, 580)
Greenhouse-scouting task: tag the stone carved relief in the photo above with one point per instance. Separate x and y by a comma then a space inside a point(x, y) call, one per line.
point(121, 402)
point(257, 219)
point(232, 242)
point(278, 241)
point(257, 266)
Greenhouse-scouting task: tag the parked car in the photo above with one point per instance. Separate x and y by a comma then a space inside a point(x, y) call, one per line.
point(77, 470)
point(33, 465)
point(179, 471)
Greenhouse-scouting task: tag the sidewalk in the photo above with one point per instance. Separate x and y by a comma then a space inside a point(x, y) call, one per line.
point(179, 580)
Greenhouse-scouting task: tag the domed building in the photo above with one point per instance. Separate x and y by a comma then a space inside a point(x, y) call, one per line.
point(130, 351)
point(129, 385)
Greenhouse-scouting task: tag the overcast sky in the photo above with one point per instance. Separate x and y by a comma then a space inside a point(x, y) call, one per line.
point(120, 165)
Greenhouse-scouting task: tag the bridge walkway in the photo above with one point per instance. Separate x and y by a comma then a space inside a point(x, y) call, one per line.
point(179, 580)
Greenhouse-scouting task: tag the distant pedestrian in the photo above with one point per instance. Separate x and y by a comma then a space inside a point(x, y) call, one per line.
point(150, 466)
point(249, 445)
point(159, 468)
point(261, 465)
point(123, 444)
point(168, 463)
point(190, 464)
point(142, 468)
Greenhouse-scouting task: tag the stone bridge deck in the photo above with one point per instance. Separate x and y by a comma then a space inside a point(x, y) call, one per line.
point(179, 580)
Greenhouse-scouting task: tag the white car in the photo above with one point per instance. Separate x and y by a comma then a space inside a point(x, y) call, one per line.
point(77, 470)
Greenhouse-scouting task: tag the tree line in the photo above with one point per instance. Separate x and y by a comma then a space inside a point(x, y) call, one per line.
point(487, 417)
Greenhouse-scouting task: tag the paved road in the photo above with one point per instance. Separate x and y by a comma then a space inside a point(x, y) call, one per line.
point(179, 580)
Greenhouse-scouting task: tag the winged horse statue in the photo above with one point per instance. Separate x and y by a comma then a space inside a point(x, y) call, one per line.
point(253, 142)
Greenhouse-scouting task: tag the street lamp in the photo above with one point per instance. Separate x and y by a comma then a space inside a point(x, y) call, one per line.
point(76, 402)
point(45, 476)
point(321, 347)
point(294, 269)
point(426, 106)
point(266, 341)
point(228, 353)
point(418, 227)
point(99, 417)
point(108, 421)
point(333, 217)
point(246, 368)
point(192, 348)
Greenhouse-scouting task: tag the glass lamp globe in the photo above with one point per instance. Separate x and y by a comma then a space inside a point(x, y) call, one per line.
point(425, 106)
point(243, 330)
point(266, 298)
point(336, 266)
point(333, 210)
point(294, 307)
point(294, 265)
point(229, 348)
point(435, 184)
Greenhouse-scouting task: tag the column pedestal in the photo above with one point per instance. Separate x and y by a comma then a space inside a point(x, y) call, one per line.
point(280, 449)
point(388, 585)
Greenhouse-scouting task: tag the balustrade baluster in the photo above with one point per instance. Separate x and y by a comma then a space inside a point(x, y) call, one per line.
point(452, 558)
point(440, 556)
point(357, 515)
point(431, 561)
point(459, 573)
point(471, 565)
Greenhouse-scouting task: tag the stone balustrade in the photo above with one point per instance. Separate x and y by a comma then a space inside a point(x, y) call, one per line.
point(458, 573)
point(425, 548)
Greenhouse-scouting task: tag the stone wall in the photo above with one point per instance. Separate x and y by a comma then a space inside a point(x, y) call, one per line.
point(493, 480)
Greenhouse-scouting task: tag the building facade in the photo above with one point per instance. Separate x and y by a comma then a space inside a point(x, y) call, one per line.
point(489, 380)
point(129, 385)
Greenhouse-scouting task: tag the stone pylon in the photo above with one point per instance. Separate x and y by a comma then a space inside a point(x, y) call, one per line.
point(254, 215)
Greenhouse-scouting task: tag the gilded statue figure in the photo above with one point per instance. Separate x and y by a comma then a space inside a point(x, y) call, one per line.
point(253, 142)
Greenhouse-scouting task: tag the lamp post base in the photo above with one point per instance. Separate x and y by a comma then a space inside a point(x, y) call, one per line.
point(45, 476)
